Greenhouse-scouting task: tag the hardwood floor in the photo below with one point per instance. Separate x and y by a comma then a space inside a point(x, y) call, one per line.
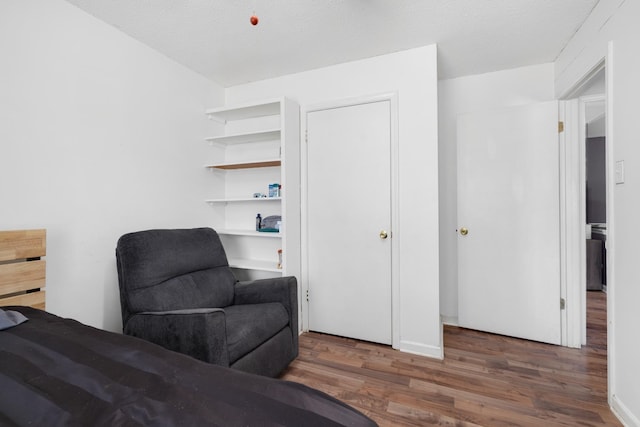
point(484, 379)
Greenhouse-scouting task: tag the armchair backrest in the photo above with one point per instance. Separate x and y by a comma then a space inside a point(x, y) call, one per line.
point(162, 270)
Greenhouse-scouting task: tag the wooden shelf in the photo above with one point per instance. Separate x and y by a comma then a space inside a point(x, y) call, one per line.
point(246, 165)
point(245, 199)
point(242, 138)
point(251, 233)
point(244, 111)
point(252, 264)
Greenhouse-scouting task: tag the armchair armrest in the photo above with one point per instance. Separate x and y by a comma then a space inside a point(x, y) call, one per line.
point(278, 289)
point(199, 333)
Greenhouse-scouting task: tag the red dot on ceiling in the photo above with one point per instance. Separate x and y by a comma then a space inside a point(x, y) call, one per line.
point(253, 20)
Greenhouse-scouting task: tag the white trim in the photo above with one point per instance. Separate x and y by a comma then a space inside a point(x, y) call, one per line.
point(422, 349)
point(624, 414)
point(611, 288)
point(392, 97)
point(395, 222)
point(575, 90)
point(619, 409)
point(583, 220)
point(571, 229)
point(304, 234)
point(449, 320)
point(576, 281)
point(564, 219)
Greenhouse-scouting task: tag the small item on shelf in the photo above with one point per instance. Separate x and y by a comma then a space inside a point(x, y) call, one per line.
point(274, 190)
point(279, 259)
point(259, 195)
point(258, 222)
point(271, 224)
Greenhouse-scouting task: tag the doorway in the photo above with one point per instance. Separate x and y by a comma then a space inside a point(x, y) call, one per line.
point(494, 307)
point(593, 197)
point(589, 181)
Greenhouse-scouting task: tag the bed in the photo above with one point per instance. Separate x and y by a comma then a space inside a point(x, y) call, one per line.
point(56, 371)
point(59, 372)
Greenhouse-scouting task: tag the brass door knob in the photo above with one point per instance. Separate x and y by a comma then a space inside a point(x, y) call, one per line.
point(383, 234)
point(464, 231)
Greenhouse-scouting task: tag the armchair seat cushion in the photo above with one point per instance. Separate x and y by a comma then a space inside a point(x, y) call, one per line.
point(250, 325)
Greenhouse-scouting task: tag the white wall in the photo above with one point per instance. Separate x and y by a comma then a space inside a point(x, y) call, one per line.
point(482, 92)
point(99, 135)
point(616, 21)
point(413, 75)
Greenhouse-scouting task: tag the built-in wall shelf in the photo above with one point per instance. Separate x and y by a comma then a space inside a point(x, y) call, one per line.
point(242, 138)
point(259, 145)
point(252, 264)
point(245, 199)
point(244, 111)
point(246, 165)
point(265, 234)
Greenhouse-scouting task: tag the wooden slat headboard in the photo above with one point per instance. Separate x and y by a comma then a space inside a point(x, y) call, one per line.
point(22, 269)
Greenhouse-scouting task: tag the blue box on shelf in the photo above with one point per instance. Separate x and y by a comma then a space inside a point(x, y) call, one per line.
point(274, 190)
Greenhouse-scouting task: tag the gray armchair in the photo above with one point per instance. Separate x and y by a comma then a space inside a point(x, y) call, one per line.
point(177, 290)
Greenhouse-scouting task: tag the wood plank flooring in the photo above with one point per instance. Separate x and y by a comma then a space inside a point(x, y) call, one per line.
point(484, 379)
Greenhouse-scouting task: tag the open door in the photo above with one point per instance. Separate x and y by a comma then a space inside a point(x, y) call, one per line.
point(509, 222)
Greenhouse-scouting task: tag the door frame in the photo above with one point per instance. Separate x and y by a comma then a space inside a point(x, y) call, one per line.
point(573, 214)
point(572, 230)
point(606, 62)
point(392, 98)
point(573, 176)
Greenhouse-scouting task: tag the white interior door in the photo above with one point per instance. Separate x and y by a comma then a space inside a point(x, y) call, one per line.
point(348, 214)
point(508, 203)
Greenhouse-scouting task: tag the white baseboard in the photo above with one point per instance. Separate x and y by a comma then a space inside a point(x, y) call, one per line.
point(624, 414)
point(421, 349)
point(450, 320)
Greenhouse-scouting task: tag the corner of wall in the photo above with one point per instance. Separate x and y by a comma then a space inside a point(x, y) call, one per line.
point(623, 413)
point(435, 352)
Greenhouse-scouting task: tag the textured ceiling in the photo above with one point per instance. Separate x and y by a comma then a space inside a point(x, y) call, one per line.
point(216, 39)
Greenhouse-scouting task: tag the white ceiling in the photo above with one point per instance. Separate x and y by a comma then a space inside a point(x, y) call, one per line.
point(216, 39)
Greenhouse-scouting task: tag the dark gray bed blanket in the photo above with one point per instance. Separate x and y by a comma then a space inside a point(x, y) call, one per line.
point(56, 372)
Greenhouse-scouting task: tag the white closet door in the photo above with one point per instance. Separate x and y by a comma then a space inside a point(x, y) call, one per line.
point(348, 214)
